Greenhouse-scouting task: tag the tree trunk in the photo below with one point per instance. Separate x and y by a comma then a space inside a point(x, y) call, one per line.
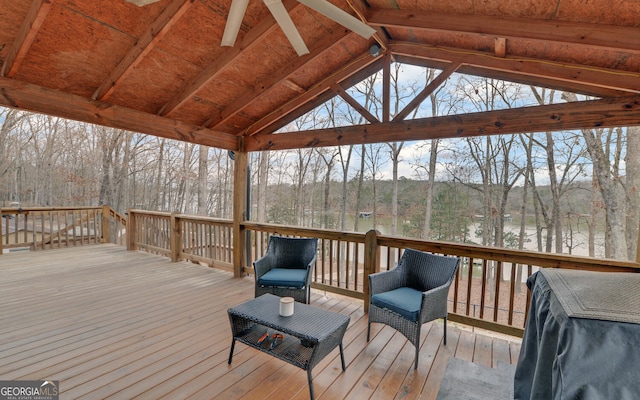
point(356, 220)
point(203, 174)
point(428, 209)
point(632, 163)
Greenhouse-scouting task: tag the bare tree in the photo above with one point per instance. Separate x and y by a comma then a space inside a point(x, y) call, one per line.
point(203, 173)
point(632, 164)
point(328, 157)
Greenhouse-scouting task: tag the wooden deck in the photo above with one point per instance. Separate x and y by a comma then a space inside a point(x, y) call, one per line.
point(108, 323)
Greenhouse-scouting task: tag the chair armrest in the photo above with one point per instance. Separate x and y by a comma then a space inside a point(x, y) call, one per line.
point(310, 270)
point(434, 303)
point(384, 281)
point(263, 265)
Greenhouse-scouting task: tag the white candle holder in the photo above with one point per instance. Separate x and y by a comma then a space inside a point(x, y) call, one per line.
point(286, 306)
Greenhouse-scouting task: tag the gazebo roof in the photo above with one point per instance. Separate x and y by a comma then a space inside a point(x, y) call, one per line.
point(160, 68)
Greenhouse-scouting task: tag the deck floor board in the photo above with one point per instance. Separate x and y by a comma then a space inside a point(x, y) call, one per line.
point(111, 323)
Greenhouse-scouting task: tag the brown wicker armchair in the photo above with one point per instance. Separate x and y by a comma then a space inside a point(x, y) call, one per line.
point(411, 294)
point(285, 269)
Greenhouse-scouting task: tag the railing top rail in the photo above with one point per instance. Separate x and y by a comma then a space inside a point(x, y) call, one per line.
point(549, 260)
point(218, 221)
point(27, 209)
point(154, 213)
point(117, 214)
point(307, 232)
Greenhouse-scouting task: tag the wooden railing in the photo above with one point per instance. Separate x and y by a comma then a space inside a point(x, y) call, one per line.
point(39, 228)
point(182, 237)
point(115, 231)
point(489, 291)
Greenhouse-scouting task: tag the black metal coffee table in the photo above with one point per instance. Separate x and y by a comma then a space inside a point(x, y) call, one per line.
point(307, 336)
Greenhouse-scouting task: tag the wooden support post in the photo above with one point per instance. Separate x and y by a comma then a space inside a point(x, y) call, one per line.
point(637, 248)
point(386, 87)
point(176, 237)
point(371, 262)
point(240, 180)
point(131, 230)
point(106, 224)
point(6, 232)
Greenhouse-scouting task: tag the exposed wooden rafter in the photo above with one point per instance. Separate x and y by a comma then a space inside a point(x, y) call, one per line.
point(251, 39)
point(143, 46)
point(35, 98)
point(430, 88)
point(30, 27)
point(339, 90)
point(274, 120)
point(316, 51)
point(592, 35)
point(555, 117)
point(542, 71)
point(511, 76)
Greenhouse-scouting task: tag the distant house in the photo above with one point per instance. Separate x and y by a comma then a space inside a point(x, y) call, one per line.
point(364, 214)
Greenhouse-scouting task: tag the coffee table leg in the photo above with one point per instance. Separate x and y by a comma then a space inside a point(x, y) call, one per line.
point(233, 343)
point(342, 358)
point(310, 383)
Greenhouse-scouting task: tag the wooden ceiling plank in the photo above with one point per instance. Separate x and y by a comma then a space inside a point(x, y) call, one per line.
point(339, 90)
point(624, 111)
point(251, 39)
point(272, 121)
point(316, 50)
point(430, 88)
point(147, 41)
point(26, 96)
point(27, 33)
point(588, 76)
point(595, 35)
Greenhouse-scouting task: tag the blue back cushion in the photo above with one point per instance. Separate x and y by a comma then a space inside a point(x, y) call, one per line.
point(284, 277)
point(404, 301)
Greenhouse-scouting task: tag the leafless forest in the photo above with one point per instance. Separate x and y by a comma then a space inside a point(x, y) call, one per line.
point(546, 186)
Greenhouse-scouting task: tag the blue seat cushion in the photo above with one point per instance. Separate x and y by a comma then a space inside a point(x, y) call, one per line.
point(404, 301)
point(284, 277)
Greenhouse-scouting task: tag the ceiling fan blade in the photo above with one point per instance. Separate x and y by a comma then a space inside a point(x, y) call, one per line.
point(283, 19)
point(142, 3)
point(340, 16)
point(234, 20)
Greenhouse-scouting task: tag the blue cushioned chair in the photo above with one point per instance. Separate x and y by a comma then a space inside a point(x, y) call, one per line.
point(285, 269)
point(412, 293)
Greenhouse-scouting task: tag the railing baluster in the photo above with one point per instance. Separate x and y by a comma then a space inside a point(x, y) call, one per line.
point(483, 287)
point(512, 292)
point(496, 300)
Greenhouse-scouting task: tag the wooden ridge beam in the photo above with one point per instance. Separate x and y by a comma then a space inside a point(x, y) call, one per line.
point(26, 96)
point(601, 113)
point(143, 46)
point(251, 39)
point(593, 35)
point(27, 33)
point(586, 76)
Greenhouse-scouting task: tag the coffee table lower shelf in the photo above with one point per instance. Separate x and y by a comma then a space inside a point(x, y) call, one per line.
point(308, 335)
